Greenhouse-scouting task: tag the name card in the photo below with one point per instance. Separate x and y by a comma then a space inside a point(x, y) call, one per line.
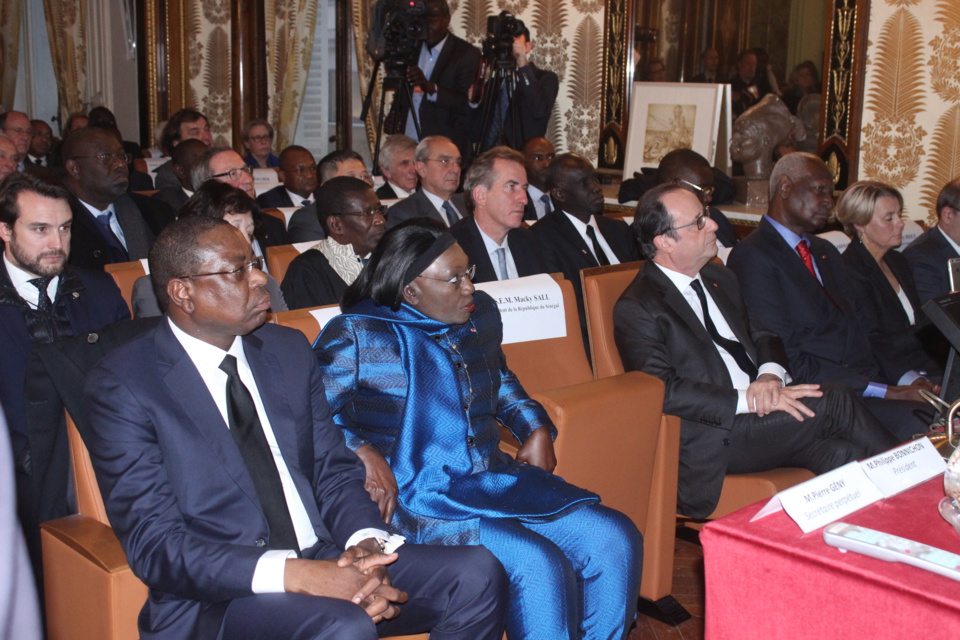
point(323, 315)
point(531, 307)
point(266, 176)
point(906, 466)
point(824, 499)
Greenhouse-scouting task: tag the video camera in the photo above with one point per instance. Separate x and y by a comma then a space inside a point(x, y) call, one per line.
point(397, 30)
point(498, 45)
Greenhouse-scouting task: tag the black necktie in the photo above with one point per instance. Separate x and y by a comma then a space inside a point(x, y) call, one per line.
point(248, 434)
point(43, 303)
point(597, 249)
point(732, 347)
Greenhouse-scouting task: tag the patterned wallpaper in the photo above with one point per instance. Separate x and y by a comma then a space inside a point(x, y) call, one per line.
point(207, 29)
point(911, 118)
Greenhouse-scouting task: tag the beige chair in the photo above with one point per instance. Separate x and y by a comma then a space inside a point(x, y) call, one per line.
point(125, 274)
point(279, 258)
point(91, 593)
point(602, 287)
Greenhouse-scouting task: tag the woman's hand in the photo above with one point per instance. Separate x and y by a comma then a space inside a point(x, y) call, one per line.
point(538, 450)
point(380, 483)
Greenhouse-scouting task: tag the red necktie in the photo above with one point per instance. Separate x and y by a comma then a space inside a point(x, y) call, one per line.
point(804, 252)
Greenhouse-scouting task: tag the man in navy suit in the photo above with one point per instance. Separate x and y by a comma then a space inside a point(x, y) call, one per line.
point(496, 193)
point(929, 253)
point(797, 284)
point(231, 489)
point(42, 299)
point(446, 67)
point(298, 173)
point(438, 163)
point(576, 235)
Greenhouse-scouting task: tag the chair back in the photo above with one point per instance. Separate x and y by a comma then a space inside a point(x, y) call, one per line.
point(276, 213)
point(305, 320)
point(125, 274)
point(280, 256)
point(554, 362)
point(602, 287)
point(89, 501)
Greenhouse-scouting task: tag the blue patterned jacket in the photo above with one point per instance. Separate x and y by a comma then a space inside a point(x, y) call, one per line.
point(429, 397)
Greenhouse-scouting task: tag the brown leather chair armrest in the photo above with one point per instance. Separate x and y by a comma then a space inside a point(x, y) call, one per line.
point(90, 539)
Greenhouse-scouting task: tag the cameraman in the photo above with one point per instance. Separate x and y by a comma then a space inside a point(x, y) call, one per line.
point(446, 69)
point(535, 92)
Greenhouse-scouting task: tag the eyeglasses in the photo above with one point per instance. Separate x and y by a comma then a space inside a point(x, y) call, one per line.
point(303, 169)
point(456, 280)
point(705, 192)
point(262, 138)
point(239, 274)
point(18, 131)
point(540, 157)
point(235, 173)
point(447, 161)
point(701, 222)
point(108, 159)
point(382, 210)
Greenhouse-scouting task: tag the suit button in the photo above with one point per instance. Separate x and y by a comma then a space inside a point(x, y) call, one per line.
point(260, 542)
point(726, 442)
point(470, 441)
point(466, 407)
point(97, 253)
point(459, 365)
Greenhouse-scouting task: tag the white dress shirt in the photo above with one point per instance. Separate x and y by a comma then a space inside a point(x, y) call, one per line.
point(737, 375)
point(582, 230)
point(20, 280)
point(491, 248)
point(426, 62)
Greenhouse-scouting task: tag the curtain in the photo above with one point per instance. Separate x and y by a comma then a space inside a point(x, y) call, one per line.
point(67, 29)
point(9, 49)
point(361, 17)
point(289, 34)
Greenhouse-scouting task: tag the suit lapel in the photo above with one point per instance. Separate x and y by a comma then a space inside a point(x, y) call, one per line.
point(426, 207)
point(730, 314)
point(188, 388)
point(131, 221)
point(675, 300)
point(790, 261)
point(571, 235)
point(485, 270)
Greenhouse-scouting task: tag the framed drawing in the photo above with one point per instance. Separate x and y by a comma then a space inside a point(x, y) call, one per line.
point(672, 115)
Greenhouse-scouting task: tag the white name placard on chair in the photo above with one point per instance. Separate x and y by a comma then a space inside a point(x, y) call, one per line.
point(531, 307)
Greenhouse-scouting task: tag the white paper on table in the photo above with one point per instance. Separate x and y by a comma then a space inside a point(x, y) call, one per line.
point(904, 467)
point(531, 307)
point(824, 499)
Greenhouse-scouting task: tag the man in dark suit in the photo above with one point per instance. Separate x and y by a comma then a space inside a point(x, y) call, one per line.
point(354, 221)
point(231, 489)
point(796, 283)
point(40, 144)
point(683, 320)
point(446, 68)
point(109, 224)
point(538, 153)
point(691, 170)
point(397, 164)
point(185, 124)
point(298, 173)
point(304, 225)
point(438, 164)
point(42, 299)
point(576, 235)
point(183, 157)
point(496, 193)
point(534, 94)
point(928, 255)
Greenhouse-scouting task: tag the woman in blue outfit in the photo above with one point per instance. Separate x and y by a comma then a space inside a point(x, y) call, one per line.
point(416, 377)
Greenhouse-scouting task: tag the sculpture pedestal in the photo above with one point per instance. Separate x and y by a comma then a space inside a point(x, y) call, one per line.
point(752, 192)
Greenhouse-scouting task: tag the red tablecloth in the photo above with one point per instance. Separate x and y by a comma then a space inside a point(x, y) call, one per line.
point(765, 579)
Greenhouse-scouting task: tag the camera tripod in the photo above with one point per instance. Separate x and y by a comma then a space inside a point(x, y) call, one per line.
point(394, 80)
point(500, 110)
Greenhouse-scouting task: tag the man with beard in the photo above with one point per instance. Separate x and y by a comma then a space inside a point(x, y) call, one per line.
point(42, 299)
point(109, 224)
point(354, 222)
